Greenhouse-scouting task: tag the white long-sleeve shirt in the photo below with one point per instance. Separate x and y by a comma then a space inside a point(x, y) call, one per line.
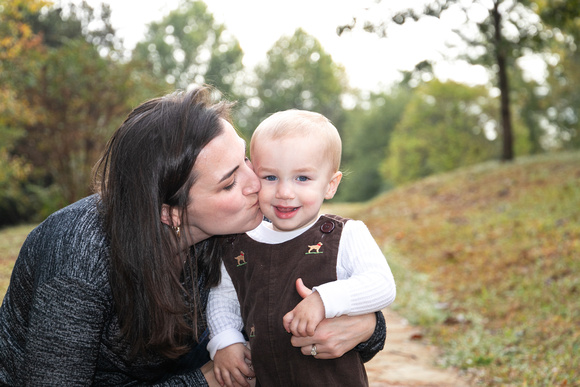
point(364, 283)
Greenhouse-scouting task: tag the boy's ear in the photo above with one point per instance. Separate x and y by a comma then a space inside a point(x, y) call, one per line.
point(170, 216)
point(333, 185)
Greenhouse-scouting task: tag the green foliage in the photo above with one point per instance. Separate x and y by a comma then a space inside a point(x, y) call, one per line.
point(20, 199)
point(498, 34)
point(67, 141)
point(298, 74)
point(189, 46)
point(518, 35)
point(417, 298)
point(11, 240)
point(17, 202)
point(62, 23)
point(563, 102)
point(14, 172)
point(74, 93)
point(366, 134)
point(561, 14)
point(528, 115)
point(16, 39)
point(533, 29)
point(443, 127)
point(551, 111)
point(499, 243)
point(64, 90)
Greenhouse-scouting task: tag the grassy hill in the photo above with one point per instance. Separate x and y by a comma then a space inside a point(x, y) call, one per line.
point(486, 259)
point(11, 239)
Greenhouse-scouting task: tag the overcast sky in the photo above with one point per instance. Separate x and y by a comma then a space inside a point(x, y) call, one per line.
point(371, 62)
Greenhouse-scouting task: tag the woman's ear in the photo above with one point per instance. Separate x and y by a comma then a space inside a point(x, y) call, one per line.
point(333, 185)
point(170, 216)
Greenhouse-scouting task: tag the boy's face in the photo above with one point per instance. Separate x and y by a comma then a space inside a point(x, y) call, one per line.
point(296, 177)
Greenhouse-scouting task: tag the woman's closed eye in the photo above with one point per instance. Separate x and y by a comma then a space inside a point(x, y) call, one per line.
point(231, 186)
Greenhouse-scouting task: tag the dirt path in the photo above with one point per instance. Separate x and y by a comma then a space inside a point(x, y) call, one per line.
point(406, 361)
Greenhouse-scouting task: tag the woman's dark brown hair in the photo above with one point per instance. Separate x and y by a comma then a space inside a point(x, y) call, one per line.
point(149, 162)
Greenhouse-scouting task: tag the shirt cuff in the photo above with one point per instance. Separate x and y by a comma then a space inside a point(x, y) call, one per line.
point(336, 301)
point(224, 339)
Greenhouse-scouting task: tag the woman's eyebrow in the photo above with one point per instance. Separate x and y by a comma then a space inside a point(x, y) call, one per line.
point(227, 175)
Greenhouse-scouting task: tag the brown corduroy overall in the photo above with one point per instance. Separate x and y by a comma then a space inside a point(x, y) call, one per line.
point(264, 276)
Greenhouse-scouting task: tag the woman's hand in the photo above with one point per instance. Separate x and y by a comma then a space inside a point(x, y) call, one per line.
point(336, 336)
point(207, 371)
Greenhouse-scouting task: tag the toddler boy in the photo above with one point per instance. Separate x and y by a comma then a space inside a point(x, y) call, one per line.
point(296, 154)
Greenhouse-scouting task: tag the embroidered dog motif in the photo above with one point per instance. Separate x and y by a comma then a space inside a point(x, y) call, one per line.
point(240, 258)
point(314, 249)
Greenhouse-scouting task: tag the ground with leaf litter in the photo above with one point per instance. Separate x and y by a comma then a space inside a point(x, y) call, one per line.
point(407, 360)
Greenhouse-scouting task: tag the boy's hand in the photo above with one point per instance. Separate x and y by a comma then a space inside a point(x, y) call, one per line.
point(305, 317)
point(232, 366)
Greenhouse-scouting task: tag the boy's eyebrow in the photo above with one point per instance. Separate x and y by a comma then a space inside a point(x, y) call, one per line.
point(263, 170)
point(306, 169)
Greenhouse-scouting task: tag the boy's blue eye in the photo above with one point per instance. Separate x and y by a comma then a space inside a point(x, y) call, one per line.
point(302, 178)
point(270, 178)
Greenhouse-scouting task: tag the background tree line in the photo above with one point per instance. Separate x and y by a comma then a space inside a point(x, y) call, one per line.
point(66, 82)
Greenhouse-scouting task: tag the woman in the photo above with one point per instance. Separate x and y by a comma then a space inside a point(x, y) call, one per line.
point(112, 290)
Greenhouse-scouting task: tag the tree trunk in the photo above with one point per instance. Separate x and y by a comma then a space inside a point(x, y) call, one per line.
point(506, 121)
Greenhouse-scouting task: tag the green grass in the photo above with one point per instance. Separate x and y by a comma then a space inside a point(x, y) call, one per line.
point(11, 240)
point(487, 261)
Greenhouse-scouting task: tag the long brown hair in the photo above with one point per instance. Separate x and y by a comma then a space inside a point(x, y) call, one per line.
point(149, 162)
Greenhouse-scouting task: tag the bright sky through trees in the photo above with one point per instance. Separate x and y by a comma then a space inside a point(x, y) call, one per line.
point(371, 62)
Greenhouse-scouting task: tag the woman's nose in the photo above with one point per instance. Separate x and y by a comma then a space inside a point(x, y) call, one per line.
point(252, 185)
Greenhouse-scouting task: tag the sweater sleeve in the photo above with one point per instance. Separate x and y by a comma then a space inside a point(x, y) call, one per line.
point(194, 378)
point(376, 343)
point(365, 283)
point(57, 322)
point(66, 320)
point(66, 323)
point(62, 348)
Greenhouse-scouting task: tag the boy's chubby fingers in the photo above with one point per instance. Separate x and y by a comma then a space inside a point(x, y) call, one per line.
point(298, 328)
point(302, 289)
point(310, 329)
point(302, 329)
point(287, 321)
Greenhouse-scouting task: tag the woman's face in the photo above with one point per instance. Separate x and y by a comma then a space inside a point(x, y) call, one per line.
point(224, 198)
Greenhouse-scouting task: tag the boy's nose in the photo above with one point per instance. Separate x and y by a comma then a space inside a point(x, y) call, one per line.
point(284, 191)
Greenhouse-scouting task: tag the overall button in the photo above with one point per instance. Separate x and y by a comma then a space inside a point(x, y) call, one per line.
point(327, 227)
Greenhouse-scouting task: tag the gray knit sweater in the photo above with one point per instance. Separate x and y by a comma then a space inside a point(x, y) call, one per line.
point(57, 321)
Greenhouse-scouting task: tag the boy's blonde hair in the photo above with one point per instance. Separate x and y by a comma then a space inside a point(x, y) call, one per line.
point(302, 123)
